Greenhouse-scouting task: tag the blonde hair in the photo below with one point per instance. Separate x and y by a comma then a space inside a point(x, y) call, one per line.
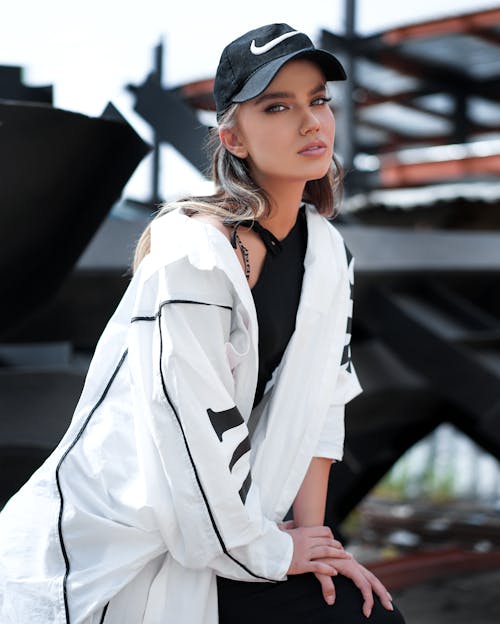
point(237, 197)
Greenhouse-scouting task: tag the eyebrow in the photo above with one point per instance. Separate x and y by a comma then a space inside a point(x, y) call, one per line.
point(287, 95)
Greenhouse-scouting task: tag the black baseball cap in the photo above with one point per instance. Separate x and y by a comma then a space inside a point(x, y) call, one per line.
point(248, 64)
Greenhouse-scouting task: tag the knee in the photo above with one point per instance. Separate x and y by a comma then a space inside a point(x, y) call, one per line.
point(389, 617)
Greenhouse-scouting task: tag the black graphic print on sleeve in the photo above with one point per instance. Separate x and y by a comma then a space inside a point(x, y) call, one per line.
point(224, 421)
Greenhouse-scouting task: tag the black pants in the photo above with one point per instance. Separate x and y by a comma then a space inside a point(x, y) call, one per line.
point(297, 601)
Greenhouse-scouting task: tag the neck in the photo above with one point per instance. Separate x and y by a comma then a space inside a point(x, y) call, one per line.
point(285, 203)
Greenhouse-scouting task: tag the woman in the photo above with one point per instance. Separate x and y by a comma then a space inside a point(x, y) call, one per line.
point(205, 416)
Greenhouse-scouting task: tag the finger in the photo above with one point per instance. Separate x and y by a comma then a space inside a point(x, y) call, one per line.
point(339, 557)
point(366, 591)
point(320, 567)
point(326, 541)
point(364, 586)
point(326, 552)
point(287, 524)
point(318, 531)
point(327, 588)
point(379, 588)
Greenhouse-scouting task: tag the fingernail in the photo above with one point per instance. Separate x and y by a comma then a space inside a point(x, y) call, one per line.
point(330, 600)
point(391, 608)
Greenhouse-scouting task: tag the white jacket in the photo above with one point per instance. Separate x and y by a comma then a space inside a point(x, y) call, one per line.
point(154, 489)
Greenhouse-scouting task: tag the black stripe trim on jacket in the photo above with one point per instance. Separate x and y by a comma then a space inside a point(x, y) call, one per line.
point(163, 303)
point(58, 483)
point(104, 611)
point(195, 470)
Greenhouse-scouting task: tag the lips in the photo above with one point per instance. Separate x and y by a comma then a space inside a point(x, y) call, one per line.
point(315, 148)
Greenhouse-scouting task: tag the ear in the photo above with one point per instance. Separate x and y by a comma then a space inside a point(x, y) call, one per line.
point(232, 142)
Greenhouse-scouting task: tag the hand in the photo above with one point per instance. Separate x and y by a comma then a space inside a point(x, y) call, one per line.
point(365, 580)
point(315, 550)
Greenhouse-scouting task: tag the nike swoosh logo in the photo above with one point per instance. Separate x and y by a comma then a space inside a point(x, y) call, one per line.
point(254, 49)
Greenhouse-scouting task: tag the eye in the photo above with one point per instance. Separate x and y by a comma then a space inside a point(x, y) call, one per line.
point(321, 100)
point(275, 108)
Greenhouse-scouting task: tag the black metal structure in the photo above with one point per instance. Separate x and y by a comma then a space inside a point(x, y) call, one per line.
point(76, 168)
point(428, 351)
point(61, 174)
point(426, 84)
point(445, 70)
point(172, 119)
point(13, 87)
point(427, 312)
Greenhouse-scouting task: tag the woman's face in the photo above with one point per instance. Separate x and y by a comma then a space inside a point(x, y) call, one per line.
point(287, 132)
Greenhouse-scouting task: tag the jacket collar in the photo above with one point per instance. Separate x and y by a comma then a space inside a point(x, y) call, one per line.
point(207, 247)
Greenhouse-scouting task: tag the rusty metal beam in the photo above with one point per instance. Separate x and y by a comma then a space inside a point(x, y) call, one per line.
point(393, 173)
point(416, 568)
point(469, 23)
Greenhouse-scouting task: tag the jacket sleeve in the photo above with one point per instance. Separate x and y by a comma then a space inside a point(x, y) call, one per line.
point(331, 442)
point(199, 446)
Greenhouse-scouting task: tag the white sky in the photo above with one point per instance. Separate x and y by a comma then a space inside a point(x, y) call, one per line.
point(89, 50)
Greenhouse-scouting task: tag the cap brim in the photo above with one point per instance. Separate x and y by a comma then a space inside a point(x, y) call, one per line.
point(260, 79)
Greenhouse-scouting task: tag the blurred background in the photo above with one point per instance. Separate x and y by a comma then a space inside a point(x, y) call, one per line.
point(104, 113)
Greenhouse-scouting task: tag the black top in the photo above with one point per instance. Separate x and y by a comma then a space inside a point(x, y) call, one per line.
point(277, 294)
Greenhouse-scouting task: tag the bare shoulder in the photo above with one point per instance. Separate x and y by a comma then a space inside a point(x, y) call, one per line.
point(214, 221)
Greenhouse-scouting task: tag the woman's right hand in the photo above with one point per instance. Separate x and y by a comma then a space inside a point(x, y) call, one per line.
point(311, 546)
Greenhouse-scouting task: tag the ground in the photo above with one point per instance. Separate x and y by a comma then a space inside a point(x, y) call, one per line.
point(472, 599)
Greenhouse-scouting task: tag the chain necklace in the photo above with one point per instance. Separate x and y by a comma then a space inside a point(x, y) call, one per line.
point(244, 253)
point(273, 245)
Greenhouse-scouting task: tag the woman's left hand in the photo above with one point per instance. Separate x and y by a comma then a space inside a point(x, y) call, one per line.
point(365, 580)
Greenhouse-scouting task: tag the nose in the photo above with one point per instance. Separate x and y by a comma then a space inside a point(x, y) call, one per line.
point(310, 123)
